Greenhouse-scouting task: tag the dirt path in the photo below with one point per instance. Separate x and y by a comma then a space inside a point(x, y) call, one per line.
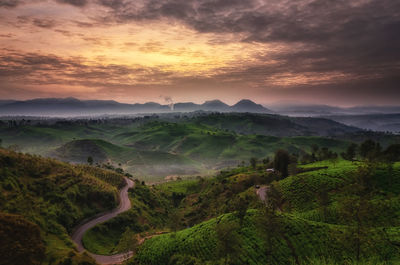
point(125, 204)
point(262, 193)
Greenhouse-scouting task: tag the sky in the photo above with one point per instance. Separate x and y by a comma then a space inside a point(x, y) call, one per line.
point(335, 52)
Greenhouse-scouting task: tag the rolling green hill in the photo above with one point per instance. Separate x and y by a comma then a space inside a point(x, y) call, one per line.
point(274, 125)
point(154, 147)
point(307, 229)
point(49, 198)
point(301, 234)
point(298, 241)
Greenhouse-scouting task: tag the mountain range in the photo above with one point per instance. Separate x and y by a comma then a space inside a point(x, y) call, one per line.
point(76, 107)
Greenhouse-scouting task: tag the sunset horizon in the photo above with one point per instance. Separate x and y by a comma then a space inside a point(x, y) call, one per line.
point(334, 53)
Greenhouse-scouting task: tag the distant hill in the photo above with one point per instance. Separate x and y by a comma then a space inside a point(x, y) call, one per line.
point(246, 105)
point(216, 105)
point(318, 110)
point(275, 125)
point(79, 150)
point(195, 143)
point(306, 110)
point(75, 107)
point(4, 102)
point(375, 122)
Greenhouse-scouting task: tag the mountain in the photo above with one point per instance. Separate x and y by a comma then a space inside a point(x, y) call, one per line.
point(76, 107)
point(186, 107)
point(4, 102)
point(215, 105)
point(246, 105)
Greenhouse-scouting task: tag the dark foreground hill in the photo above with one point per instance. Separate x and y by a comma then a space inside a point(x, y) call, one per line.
point(41, 200)
point(328, 212)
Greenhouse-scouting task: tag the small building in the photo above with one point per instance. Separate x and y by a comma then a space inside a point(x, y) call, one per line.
point(270, 170)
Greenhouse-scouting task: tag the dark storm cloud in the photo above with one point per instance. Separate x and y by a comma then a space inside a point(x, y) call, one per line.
point(9, 3)
point(361, 38)
point(79, 3)
point(41, 69)
point(44, 23)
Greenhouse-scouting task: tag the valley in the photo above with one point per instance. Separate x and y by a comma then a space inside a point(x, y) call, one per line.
point(169, 145)
point(200, 188)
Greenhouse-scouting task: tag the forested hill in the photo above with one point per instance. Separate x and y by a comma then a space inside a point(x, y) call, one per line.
point(41, 200)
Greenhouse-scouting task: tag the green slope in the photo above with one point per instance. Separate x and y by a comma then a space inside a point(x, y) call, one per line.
point(55, 197)
point(299, 240)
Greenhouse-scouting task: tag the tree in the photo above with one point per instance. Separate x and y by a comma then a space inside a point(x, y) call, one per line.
point(323, 201)
point(354, 212)
point(392, 153)
point(355, 208)
point(228, 240)
point(253, 162)
point(370, 150)
point(306, 158)
point(265, 161)
point(90, 160)
point(268, 222)
point(179, 259)
point(128, 241)
point(281, 162)
point(175, 221)
point(240, 206)
point(314, 148)
point(350, 152)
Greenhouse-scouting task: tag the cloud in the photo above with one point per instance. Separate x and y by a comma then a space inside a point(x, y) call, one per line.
point(10, 3)
point(44, 23)
point(357, 36)
point(78, 3)
point(33, 70)
point(304, 47)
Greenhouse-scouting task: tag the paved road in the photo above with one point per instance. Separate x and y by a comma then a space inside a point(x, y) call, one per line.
point(125, 204)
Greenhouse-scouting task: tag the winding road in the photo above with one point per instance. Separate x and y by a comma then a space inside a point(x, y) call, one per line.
point(262, 193)
point(125, 204)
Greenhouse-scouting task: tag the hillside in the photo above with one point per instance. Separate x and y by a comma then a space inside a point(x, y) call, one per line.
point(158, 146)
point(274, 125)
point(298, 241)
point(49, 198)
point(303, 232)
point(222, 218)
point(375, 122)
